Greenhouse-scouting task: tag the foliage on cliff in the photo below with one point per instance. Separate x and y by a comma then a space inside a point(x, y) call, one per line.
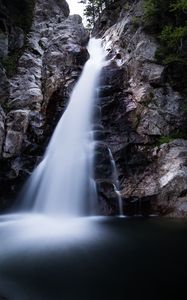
point(94, 9)
point(168, 19)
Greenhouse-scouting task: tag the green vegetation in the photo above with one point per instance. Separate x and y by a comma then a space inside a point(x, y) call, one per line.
point(94, 8)
point(21, 12)
point(169, 138)
point(168, 20)
point(164, 140)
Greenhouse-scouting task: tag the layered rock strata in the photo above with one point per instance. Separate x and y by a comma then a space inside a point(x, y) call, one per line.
point(35, 97)
point(144, 122)
point(139, 119)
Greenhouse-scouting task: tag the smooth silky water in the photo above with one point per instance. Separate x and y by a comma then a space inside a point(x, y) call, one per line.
point(55, 249)
point(94, 258)
point(62, 184)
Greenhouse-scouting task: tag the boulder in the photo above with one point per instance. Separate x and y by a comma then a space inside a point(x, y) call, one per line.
point(172, 178)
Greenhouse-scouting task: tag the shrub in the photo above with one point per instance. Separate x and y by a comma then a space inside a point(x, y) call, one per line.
point(173, 36)
point(169, 138)
point(167, 20)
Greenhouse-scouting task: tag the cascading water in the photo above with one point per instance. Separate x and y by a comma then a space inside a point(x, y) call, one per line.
point(116, 183)
point(51, 258)
point(63, 182)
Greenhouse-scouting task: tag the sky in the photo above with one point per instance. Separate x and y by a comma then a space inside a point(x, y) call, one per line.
point(75, 7)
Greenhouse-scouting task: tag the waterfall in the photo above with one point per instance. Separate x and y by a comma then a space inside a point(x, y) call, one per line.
point(116, 183)
point(63, 182)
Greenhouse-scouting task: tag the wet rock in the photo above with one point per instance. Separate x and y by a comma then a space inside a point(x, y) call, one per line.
point(163, 182)
point(179, 209)
point(108, 199)
point(17, 120)
point(48, 67)
point(98, 135)
point(172, 162)
point(102, 162)
point(139, 108)
point(152, 123)
point(4, 86)
point(2, 128)
point(153, 73)
point(13, 144)
point(16, 126)
point(3, 44)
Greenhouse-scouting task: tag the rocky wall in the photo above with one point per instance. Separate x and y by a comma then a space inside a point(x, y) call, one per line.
point(34, 97)
point(144, 122)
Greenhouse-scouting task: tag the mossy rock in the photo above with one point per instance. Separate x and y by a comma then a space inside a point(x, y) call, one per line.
point(169, 138)
point(167, 20)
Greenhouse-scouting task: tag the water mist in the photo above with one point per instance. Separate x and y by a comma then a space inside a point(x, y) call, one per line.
point(63, 182)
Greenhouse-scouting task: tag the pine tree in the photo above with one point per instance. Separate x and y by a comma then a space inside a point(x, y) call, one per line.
point(94, 9)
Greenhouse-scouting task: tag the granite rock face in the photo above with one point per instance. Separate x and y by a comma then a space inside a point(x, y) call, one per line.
point(143, 121)
point(140, 120)
point(36, 95)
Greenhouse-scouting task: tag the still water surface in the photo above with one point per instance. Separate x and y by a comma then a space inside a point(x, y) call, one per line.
point(92, 258)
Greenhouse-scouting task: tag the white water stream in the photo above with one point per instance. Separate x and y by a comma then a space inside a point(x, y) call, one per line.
point(42, 257)
point(63, 182)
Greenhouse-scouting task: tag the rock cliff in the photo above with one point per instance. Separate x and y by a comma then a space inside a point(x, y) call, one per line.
point(140, 117)
point(33, 97)
point(144, 120)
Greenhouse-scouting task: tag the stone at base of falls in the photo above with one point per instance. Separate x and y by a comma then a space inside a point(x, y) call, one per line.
point(108, 199)
point(173, 178)
point(164, 182)
point(141, 109)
